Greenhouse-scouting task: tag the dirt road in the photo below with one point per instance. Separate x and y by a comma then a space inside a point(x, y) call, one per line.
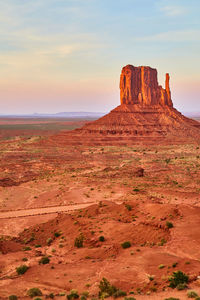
point(41, 210)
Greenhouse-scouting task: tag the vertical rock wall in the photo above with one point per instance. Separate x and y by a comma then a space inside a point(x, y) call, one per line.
point(139, 85)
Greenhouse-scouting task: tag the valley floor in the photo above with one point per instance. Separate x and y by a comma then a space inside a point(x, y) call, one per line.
point(52, 195)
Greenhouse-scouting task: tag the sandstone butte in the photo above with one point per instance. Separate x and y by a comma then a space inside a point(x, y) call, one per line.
point(145, 112)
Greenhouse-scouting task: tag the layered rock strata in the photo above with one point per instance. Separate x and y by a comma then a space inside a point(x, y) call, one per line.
point(146, 113)
point(139, 85)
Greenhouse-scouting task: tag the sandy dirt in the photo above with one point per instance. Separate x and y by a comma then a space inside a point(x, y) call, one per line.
point(51, 193)
point(40, 211)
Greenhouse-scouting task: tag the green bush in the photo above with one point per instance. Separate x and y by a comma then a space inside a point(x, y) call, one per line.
point(73, 295)
point(44, 260)
point(57, 234)
point(79, 241)
point(107, 290)
point(174, 265)
point(192, 294)
point(129, 207)
point(177, 278)
point(51, 296)
point(12, 297)
point(181, 286)
point(167, 160)
point(33, 292)
point(38, 298)
point(85, 294)
point(21, 269)
point(126, 245)
point(129, 298)
point(161, 266)
point(162, 242)
point(119, 293)
point(27, 248)
point(101, 238)
point(24, 259)
point(169, 224)
point(151, 278)
point(49, 241)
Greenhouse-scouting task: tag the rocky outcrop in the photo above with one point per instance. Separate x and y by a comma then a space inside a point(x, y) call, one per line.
point(139, 85)
point(146, 114)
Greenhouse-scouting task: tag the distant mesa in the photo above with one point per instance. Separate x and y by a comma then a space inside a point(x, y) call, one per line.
point(145, 112)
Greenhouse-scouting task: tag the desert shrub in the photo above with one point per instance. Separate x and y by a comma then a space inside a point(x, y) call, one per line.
point(153, 289)
point(167, 160)
point(33, 292)
point(44, 260)
point(51, 296)
point(85, 294)
point(128, 206)
point(126, 244)
point(37, 246)
point(162, 242)
point(24, 259)
point(119, 293)
point(27, 248)
point(49, 241)
point(12, 297)
point(177, 278)
point(107, 290)
point(57, 234)
point(161, 266)
point(192, 294)
point(101, 238)
point(79, 241)
point(151, 278)
point(169, 224)
point(73, 295)
point(174, 265)
point(62, 294)
point(38, 298)
point(129, 298)
point(21, 269)
point(83, 297)
point(181, 286)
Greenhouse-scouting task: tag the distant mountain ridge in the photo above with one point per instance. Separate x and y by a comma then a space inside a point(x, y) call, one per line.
point(80, 114)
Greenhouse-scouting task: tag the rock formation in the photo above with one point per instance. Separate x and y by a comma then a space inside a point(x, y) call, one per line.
point(139, 85)
point(146, 113)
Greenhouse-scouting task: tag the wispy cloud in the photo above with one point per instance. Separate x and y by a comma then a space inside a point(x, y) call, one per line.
point(173, 36)
point(173, 10)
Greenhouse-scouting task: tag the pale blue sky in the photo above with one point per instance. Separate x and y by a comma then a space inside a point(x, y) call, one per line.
point(67, 55)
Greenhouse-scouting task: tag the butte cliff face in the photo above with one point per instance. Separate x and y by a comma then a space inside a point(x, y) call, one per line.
point(146, 113)
point(139, 85)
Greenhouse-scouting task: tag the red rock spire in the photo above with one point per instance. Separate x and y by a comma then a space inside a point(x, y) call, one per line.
point(139, 85)
point(167, 88)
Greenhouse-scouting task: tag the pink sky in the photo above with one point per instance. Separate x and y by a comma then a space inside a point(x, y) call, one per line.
point(67, 55)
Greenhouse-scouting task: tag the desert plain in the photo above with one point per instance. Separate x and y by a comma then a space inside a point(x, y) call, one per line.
point(66, 210)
